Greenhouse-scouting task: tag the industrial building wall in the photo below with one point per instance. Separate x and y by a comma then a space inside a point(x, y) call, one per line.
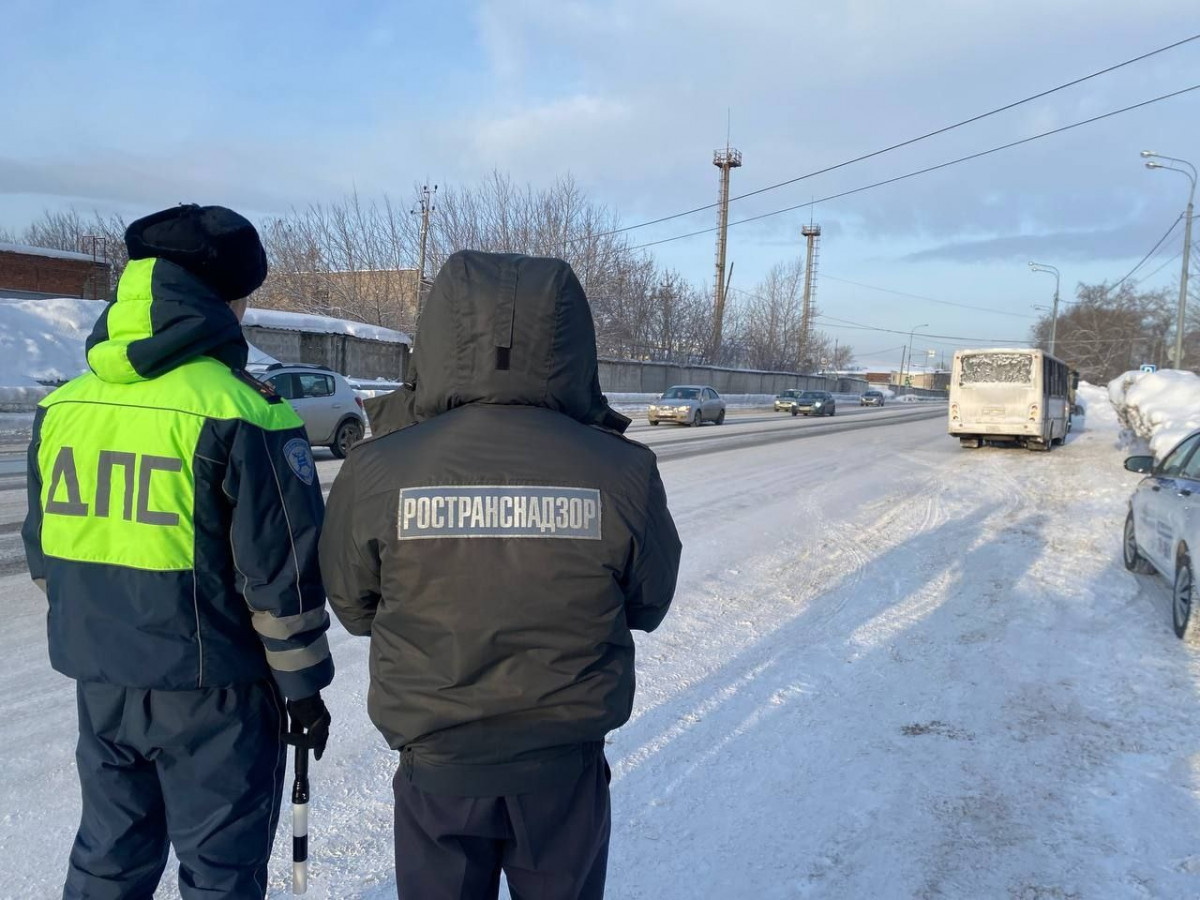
point(352, 356)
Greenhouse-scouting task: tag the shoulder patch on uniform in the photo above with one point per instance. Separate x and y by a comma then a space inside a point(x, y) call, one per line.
point(299, 458)
point(505, 511)
point(263, 389)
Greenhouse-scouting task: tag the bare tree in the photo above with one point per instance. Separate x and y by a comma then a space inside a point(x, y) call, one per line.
point(1107, 332)
point(103, 236)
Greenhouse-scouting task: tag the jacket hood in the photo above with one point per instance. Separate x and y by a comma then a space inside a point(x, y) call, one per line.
point(162, 317)
point(511, 330)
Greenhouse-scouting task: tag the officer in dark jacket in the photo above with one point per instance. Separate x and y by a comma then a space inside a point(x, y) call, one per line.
point(498, 552)
point(174, 513)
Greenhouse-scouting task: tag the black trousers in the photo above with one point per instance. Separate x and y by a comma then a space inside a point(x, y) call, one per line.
point(200, 770)
point(551, 844)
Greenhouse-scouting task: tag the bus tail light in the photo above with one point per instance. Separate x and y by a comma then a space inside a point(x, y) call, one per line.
point(1033, 412)
point(954, 411)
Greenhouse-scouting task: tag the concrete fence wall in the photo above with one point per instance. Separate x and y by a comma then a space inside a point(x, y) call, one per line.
point(618, 376)
point(352, 356)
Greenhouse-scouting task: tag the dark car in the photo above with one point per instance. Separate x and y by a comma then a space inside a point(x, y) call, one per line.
point(871, 398)
point(814, 403)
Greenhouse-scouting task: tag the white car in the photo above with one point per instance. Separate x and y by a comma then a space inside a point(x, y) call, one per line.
point(1162, 529)
point(333, 413)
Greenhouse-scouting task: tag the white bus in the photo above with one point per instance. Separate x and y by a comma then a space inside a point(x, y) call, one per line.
point(1011, 396)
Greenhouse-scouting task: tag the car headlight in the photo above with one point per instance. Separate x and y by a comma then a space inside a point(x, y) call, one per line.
point(683, 409)
point(818, 402)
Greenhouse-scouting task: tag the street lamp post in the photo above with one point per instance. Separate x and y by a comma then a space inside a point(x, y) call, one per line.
point(1050, 270)
point(910, 340)
point(1190, 172)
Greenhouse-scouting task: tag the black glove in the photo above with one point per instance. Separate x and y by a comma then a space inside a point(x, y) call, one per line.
point(311, 715)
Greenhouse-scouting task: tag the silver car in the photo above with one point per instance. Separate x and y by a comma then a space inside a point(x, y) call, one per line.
point(688, 404)
point(785, 400)
point(1162, 528)
point(333, 413)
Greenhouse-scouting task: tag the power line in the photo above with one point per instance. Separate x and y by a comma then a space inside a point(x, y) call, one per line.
point(871, 287)
point(846, 323)
point(1153, 249)
point(927, 170)
point(1178, 253)
point(906, 143)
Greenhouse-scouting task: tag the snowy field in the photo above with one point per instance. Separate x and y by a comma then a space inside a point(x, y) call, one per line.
point(894, 669)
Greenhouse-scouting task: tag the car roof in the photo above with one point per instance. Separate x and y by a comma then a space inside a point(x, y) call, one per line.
point(273, 367)
point(697, 387)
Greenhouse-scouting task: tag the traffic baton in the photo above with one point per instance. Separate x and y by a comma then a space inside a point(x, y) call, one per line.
point(300, 816)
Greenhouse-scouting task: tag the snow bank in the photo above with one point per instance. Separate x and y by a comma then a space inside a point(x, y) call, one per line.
point(1160, 407)
point(41, 345)
point(290, 321)
point(1096, 406)
point(367, 388)
point(41, 341)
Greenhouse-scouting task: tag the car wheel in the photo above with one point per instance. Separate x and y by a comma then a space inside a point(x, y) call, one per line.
point(833, 410)
point(1134, 561)
point(654, 421)
point(348, 434)
point(721, 417)
point(1181, 596)
point(795, 412)
point(698, 420)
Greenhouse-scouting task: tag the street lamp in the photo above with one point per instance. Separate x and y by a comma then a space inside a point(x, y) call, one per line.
point(910, 340)
point(1190, 172)
point(1050, 270)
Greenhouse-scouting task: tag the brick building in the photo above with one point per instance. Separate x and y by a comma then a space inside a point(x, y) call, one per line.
point(38, 272)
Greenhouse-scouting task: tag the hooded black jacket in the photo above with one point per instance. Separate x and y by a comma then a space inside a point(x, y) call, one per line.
point(499, 548)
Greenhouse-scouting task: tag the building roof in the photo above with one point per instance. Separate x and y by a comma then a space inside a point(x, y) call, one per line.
point(313, 324)
point(47, 252)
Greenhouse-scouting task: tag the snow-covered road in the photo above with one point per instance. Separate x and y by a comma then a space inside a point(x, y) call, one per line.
point(894, 669)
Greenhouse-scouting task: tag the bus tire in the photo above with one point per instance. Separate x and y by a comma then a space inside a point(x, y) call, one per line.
point(970, 443)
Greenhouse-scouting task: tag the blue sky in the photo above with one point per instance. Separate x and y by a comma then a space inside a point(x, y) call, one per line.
point(133, 106)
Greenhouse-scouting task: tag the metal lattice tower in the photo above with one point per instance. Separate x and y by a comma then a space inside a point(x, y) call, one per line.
point(725, 160)
point(812, 234)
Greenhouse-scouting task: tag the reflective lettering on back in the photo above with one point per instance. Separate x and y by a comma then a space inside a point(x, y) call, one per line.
point(63, 498)
point(491, 511)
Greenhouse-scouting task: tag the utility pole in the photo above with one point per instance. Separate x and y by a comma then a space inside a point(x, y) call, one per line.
point(425, 208)
point(1183, 282)
point(1050, 270)
point(1152, 163)
point(726, 160)
point(811, 233)
point(910, 340)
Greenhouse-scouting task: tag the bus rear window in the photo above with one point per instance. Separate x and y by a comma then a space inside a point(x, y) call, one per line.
point(997, 368)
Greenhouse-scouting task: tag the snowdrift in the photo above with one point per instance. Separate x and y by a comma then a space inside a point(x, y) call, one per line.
point(1096, 406)
point(41, 341)
point(41, 345)
point(1161, 407)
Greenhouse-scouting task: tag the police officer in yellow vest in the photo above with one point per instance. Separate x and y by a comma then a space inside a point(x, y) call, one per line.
point(174, 512)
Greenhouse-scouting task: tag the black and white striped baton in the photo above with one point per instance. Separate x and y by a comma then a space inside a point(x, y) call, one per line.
point(300, 817)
